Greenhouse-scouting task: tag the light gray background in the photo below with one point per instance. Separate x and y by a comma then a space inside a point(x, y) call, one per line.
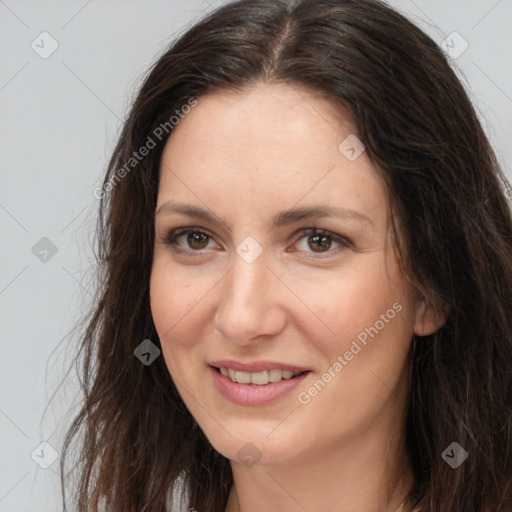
point(60, 117)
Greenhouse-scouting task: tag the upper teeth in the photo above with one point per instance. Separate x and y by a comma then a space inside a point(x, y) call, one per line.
point(259, 378)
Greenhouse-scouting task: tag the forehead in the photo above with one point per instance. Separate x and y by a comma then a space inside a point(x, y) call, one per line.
point(268, 145)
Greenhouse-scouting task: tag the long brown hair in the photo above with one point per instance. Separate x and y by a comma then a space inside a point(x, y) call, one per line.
point(139, 443)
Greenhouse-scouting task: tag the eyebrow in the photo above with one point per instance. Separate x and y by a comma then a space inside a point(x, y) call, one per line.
point(280, 219)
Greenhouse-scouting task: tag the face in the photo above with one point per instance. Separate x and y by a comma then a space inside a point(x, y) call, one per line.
point(248, 284)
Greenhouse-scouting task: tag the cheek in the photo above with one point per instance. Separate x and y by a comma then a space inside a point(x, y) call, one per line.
point(370, 319)
point(364, 355)
point(175, 306)
point(174, 294)
point(357, 299)
point(174, 302)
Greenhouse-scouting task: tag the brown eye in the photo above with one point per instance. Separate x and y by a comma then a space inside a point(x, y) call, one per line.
point(195, 239)
point(318, 241)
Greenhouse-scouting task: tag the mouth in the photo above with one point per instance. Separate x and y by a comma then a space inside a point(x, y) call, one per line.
point(256, 388)
point(260, 378)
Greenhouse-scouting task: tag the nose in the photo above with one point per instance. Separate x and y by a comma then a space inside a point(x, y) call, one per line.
point(250, 306)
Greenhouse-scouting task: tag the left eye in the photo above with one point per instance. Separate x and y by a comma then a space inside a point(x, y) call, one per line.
point(320, 241)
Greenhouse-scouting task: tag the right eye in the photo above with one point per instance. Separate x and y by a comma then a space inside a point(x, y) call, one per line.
point(194, 237)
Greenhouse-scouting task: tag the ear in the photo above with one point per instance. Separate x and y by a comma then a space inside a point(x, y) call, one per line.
point(427, 319)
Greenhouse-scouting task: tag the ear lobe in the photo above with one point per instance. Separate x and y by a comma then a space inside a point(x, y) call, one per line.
point(428, 320)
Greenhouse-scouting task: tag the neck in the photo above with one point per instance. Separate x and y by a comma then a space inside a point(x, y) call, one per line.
point(369, 473)
point(271, 489)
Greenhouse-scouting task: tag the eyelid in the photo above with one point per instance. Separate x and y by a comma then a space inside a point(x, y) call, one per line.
point(344, 242)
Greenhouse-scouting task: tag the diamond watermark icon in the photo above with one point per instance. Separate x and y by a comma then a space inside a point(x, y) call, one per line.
point(454, 45)
point(249, 249)
point(351, 147)
point(44, 45)
point(44, 250)
point(454, 455)
point(249, 455)
point(146, 352)
point(44, 455)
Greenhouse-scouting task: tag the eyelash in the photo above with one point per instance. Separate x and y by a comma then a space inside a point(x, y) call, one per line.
point(171, 238)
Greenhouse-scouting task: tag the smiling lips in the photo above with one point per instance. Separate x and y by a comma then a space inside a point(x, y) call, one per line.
point(258, 378)
point(259, 372)
point(257, 383)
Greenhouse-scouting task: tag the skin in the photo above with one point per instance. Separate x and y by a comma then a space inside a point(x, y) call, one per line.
point(245, 156)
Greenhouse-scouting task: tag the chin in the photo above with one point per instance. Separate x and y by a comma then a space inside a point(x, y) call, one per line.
point(256, 450)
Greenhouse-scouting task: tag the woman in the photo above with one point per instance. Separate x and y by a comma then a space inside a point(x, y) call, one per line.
point(307, 277)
